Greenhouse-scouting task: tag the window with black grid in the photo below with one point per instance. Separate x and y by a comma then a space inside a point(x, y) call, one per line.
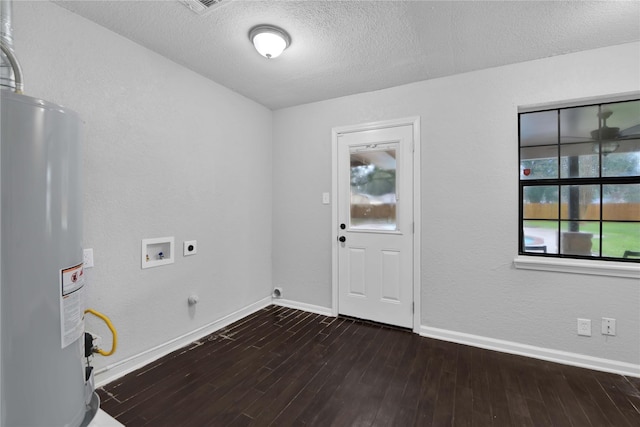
point(580, 181)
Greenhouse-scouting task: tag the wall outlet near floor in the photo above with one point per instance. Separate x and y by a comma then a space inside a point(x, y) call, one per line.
point(96, 340)
point(584, 327)
point(608, 326)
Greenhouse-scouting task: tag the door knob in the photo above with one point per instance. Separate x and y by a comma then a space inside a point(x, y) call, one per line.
point(342, 239)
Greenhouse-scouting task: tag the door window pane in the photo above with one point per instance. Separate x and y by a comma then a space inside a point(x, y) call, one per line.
point(373, 188)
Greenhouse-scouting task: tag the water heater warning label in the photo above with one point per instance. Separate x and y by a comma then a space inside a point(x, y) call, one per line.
point(71, 304)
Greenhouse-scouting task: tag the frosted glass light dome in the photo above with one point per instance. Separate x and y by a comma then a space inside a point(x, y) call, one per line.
point(269, 41)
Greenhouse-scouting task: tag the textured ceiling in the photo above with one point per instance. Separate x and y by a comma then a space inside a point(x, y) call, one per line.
point(344, 47)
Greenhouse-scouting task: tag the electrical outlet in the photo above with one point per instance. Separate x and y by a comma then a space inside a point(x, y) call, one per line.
point(608, 326)
point(190, 247)
point(96, 340)
point(584, 327)
point(87, 255)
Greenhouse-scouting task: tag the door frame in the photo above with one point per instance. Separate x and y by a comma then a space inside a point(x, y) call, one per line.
point(413, 121)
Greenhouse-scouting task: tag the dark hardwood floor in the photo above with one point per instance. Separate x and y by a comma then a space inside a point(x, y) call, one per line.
point(285, 367)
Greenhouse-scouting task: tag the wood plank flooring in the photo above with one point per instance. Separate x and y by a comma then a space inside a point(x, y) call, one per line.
point(286, 367)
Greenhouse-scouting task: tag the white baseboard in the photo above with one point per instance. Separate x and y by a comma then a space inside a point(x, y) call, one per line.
point(564, 357)
point(111, 372)
point(303, 306)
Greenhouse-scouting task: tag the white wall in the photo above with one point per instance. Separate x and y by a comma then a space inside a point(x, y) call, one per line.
point(166, 153)
point(469, 203)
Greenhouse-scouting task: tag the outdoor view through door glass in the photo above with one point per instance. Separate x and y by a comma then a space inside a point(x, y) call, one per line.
point(373, 187)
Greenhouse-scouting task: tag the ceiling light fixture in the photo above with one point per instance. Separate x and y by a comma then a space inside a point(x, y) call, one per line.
point(269, 41)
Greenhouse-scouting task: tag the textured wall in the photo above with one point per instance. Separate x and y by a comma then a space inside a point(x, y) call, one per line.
point(166, 153)
point(469, 193)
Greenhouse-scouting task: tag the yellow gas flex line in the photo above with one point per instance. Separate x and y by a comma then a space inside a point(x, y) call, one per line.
point(106, 320)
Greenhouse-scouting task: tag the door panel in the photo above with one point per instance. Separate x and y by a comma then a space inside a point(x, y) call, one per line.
point(391, 276)
point(375, 197)
point(356, 266)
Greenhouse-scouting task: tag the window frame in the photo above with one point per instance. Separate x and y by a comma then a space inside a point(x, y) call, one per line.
point(588, 264)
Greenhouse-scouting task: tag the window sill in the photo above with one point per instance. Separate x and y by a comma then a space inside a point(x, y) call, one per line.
point(578, 266)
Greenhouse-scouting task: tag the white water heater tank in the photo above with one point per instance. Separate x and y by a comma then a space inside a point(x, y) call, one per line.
point(43, 379)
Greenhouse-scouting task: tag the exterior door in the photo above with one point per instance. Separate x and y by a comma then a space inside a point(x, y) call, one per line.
point(375, 224)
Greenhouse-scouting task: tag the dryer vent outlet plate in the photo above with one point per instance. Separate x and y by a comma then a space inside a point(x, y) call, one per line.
point(190, 247)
